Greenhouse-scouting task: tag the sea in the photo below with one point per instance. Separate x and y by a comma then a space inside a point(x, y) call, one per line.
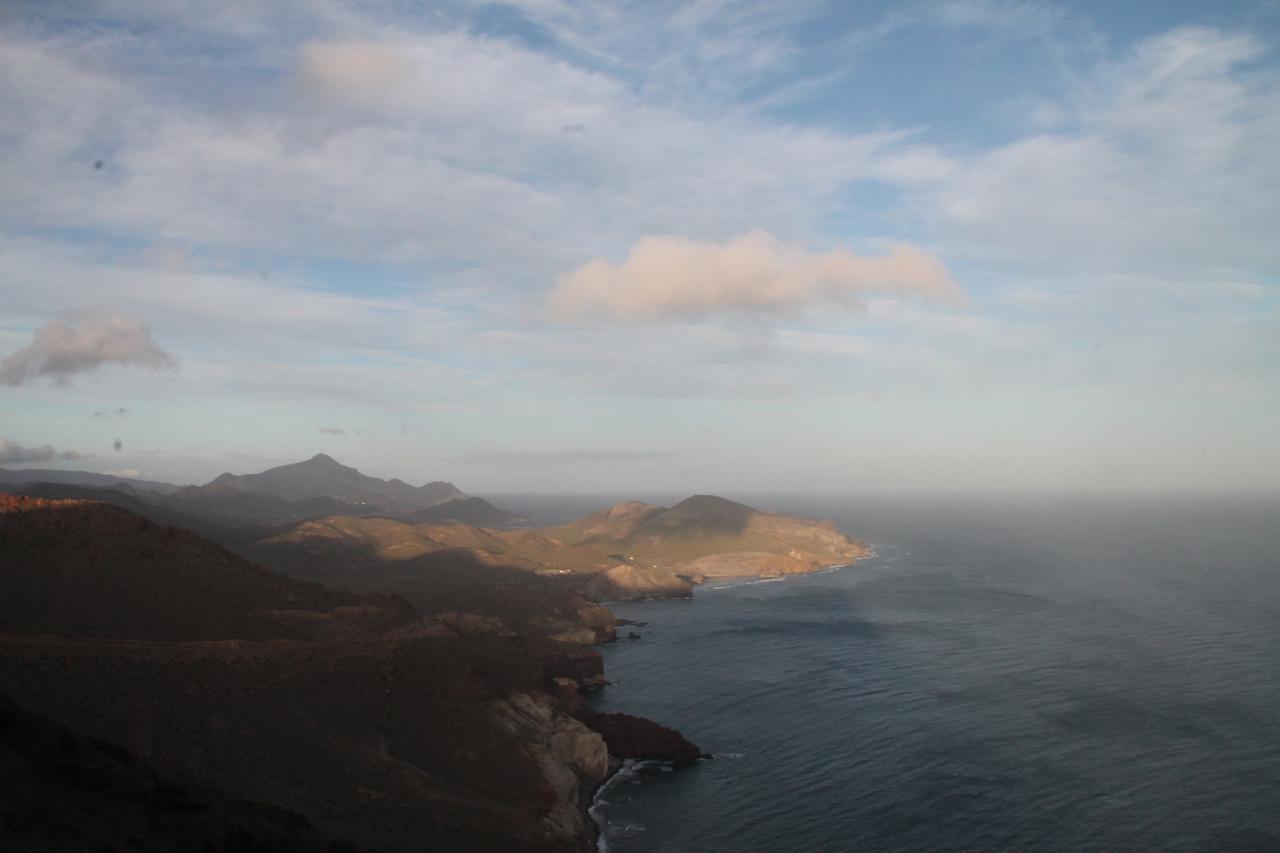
point(1006, 673)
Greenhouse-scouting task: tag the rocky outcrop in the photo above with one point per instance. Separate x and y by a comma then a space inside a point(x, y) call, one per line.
point(641, 739)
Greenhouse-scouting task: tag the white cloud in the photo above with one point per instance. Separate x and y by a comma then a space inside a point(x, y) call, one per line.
point(81, 344)
point(664, 277)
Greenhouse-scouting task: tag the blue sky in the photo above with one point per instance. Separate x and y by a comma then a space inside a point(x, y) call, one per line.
point(710, 246)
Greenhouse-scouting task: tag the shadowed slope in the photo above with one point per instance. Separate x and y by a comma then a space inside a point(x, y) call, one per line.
point(514, 576)
point(90, 569)
point(468, 511)
point(65, 793)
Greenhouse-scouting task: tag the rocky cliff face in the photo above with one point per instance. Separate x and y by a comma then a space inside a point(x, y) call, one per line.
point(572, 757)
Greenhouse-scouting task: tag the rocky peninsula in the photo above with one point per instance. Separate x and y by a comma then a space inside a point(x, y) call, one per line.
point(665, 552)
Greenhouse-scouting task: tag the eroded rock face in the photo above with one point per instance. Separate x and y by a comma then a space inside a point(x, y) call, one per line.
point(573, 760)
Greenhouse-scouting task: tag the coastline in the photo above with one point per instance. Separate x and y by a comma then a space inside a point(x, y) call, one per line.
point(718, 582)
point(734, 581)
point(627, 768)
point(502, 635)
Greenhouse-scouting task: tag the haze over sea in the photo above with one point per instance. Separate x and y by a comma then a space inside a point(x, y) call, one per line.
point(1006, 673)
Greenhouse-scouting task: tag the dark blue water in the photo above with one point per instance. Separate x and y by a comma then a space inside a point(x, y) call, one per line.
point(1063, 674)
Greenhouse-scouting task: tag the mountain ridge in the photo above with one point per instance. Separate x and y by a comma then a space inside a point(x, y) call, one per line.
point(312, 488)
point(322, 476)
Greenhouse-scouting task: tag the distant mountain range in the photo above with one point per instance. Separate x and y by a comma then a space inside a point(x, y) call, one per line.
point(320, 486)
point(323, 476)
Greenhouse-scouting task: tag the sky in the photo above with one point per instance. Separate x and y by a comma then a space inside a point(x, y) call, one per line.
point(553, 246)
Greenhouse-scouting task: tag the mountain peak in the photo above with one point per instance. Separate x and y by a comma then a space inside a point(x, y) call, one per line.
point(711, 506)
point(322, 476)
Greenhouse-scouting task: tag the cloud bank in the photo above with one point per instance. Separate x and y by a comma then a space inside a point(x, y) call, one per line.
point(756, 273)
point(11, 451)
point(63, 348)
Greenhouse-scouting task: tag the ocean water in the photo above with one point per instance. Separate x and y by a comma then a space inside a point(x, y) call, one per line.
point(1005, 674)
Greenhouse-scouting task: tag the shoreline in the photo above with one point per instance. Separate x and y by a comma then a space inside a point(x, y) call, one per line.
point(733, 581)
point(628, 768)
point(719, 582)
